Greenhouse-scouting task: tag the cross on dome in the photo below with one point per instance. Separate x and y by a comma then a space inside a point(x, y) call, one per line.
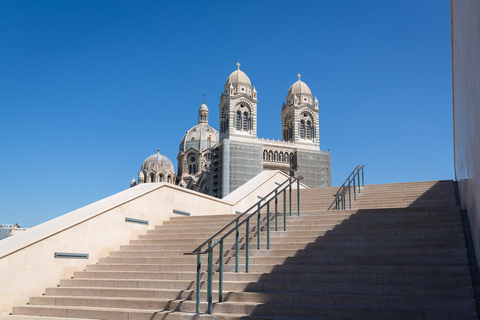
point(299, 75)
point(238, 65)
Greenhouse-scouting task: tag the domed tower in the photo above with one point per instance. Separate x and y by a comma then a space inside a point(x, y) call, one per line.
point(156, 168)
point(194, 156)
point(238, 107)
point(300, 115)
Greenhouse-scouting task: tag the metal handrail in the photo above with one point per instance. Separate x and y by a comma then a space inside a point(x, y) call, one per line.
point(340, 199)
point(234, 220)
point(198, 251)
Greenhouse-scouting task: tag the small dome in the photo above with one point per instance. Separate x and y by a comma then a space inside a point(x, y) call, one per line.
point(299, 87)
point(157, 162)
point(133, 183)
point(238, 77)
point(203, 107)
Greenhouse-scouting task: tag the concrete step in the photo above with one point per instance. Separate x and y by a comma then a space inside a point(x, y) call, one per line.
point(330, 259)
point(308, 269)
point(390, 279)
point(316, 314)
point(303, 305)
point(330, 244)
point(320, 225)
point(321, 237)
point(309, 252)
point(317, 230)
point(235, 287)
point(343, 300)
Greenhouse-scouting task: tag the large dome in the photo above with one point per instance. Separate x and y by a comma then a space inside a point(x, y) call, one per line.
point(200, 137)
point(298, 88)
point(157, 162)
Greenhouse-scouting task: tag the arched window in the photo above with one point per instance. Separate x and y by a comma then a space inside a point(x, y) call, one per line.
point(245, 121)
point(238, 121)
point(190, 169)
point(169, 179)
point(302, 129)
point(280, 157)
point(161, 178)
point(291, 157)
point(152, 178)
point(309, 130)
point(194, 168)
point(265, 155)
point(270, 155)
point(275, 156)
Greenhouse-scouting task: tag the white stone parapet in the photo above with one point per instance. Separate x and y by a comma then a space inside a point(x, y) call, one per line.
point(28, 262)
point(277, 142)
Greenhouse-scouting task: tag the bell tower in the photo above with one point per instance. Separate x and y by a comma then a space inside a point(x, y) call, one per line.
point(238, 108)
point(300, 115)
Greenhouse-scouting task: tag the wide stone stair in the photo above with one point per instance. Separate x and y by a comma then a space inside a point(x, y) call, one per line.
point(400, 253)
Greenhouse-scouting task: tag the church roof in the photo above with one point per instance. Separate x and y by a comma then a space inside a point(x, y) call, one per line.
point(238, 77)
point(198, 137)
point(157, 162)
point(299, 87)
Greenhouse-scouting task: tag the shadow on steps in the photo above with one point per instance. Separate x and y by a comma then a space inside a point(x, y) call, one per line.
point(402, 263)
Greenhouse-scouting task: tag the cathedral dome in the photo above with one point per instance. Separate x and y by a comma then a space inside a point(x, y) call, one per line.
point(200, 137)
point(157, 162)
point(298, 88)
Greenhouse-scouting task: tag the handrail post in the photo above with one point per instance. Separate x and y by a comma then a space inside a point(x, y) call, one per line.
point(363, 181)
point(237, 235)
point(354, 191)
point(358, 176)
point(276, 210)
point(284, 211)
point(209, 278)
point(220, 274)
point(290, 199)
point(349, 196)
point(247, 242)
point(258, 227)
point(268, 225)
point(298, 196)
point(199, 271)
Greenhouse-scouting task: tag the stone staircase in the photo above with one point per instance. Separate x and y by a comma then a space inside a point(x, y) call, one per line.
point(399, 253)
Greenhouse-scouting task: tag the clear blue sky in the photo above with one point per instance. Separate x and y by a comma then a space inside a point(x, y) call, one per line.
point(89, 89)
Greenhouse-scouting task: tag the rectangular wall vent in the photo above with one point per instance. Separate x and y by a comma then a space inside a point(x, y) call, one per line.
point(181, 212)
point(69, 255)
point(136, 221)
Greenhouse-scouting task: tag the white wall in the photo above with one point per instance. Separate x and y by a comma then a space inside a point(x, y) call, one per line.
point(27, 263)
point(466, 106)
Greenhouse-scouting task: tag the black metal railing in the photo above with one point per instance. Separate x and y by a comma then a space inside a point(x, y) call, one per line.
point(233, 227)
point(353, 180)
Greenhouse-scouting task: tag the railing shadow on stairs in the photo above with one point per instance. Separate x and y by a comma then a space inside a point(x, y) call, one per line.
point(395, 263)
point(383, 263)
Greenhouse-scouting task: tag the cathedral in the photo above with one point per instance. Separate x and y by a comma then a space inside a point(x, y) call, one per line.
point(218, 162)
